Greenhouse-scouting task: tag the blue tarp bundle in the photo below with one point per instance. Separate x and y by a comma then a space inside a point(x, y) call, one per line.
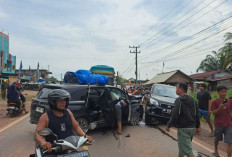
point(85, 77)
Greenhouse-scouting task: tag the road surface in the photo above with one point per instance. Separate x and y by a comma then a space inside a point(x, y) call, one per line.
point(16, 140)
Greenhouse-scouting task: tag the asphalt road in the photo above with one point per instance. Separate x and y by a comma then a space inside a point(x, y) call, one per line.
point(17, 141)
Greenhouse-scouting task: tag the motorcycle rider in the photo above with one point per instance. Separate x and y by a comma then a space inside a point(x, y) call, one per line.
point(13, 96)
point(59, 119)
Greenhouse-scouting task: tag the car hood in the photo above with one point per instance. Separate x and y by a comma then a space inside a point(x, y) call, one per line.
point(164, 99)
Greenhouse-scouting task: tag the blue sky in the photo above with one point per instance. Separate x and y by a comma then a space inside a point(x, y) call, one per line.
point(77, 34)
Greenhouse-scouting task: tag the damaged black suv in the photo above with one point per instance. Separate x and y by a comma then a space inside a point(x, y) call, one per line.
point(89, 104)
point(160, 103)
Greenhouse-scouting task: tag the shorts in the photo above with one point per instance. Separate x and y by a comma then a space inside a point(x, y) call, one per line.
point(204, 114)
point(185, 136)
point(227, 131)
point(118, 113)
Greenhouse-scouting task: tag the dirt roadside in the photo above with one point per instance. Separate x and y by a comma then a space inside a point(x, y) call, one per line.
point(5, 119)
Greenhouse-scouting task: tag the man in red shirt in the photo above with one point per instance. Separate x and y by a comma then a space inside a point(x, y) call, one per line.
point(222, 109)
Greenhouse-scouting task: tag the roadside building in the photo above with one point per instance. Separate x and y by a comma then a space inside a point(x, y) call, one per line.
point(31, 74)
point(170, 78)
point(215, 78)
point(7, 61)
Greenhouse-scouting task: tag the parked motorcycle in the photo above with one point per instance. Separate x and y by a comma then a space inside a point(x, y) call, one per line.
point(68, 147)
point(13, 109)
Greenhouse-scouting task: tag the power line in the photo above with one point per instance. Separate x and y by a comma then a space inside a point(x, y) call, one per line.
point(189, 46)
point(191, 22)
point(164, 18)
point(168, 47)
point(190, 10)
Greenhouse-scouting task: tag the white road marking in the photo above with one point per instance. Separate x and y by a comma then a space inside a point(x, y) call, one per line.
point(11, 124)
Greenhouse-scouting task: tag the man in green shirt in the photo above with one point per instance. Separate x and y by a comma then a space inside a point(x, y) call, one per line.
point(3, 89)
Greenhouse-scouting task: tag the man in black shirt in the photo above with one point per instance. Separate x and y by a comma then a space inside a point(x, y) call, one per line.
point(204, 104)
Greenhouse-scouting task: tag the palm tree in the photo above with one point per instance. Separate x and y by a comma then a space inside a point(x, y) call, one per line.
point(227, 49)
point(220, 60)
point(212, 62)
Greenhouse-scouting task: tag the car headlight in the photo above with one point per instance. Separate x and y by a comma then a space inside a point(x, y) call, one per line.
point(154, 102)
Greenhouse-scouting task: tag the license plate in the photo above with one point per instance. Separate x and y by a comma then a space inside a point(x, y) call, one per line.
point(11, 107)
point(167, 110)
point(85, 147)
point(39, 109)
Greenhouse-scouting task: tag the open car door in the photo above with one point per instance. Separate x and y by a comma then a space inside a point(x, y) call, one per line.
point(115, 95)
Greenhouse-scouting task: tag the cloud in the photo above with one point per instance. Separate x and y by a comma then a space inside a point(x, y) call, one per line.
point(79, 34)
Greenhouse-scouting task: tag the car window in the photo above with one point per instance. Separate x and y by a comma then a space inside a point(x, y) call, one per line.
point(166, 91)
point(116, 94)
point(43, 94)
point(78, 94)
point(96, 91)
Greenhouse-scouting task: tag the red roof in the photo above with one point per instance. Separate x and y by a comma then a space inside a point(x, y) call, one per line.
point(203, 76)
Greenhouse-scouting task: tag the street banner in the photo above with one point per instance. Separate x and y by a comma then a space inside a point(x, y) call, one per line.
point(20, 69)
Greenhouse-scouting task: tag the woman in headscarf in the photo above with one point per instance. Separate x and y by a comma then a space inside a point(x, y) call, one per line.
point(13, 96)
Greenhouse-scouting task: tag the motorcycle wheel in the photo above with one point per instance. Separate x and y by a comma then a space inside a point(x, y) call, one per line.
point(135, 118)
point(83, 123)
point(12, 114)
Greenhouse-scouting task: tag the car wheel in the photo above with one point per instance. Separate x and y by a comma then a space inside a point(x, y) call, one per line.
point(135, 117)
point(83, 123)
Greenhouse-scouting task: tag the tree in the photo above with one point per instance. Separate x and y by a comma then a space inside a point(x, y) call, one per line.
point(52, 79)
point(212, 62)
point(227, 49)
point(121, 80)
point(220, 60)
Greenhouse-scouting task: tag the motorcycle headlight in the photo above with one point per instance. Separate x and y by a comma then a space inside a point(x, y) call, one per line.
point(154, 102)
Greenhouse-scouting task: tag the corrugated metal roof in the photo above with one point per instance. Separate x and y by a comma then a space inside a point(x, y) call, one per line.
point(161, 77)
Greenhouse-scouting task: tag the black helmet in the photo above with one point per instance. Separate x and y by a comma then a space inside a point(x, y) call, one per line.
point(58, 94)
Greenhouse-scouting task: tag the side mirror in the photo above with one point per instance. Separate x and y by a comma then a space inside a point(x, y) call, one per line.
point(92, 126)
point(45, 132)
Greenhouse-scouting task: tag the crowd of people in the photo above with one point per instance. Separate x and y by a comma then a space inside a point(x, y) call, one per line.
point(187, 113)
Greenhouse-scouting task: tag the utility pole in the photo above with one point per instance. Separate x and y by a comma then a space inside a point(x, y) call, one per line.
point(136, 60)
point(117, 79)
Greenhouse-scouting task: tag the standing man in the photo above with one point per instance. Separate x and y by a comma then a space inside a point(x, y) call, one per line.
point(222, 110)
point(185, 118)
point(118, 108)
point(204, 104)
point(3, 89)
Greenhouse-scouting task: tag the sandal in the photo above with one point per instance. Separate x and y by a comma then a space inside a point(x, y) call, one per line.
point(119, 132)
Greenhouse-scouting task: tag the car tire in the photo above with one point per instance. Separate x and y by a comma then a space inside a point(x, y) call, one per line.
point(135, 118)
point(83, 123)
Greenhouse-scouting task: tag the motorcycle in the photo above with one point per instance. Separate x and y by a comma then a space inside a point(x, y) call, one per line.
point(68, 147)
point(13, 109)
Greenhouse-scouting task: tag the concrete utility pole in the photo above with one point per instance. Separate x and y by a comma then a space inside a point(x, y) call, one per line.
point(136, 61)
